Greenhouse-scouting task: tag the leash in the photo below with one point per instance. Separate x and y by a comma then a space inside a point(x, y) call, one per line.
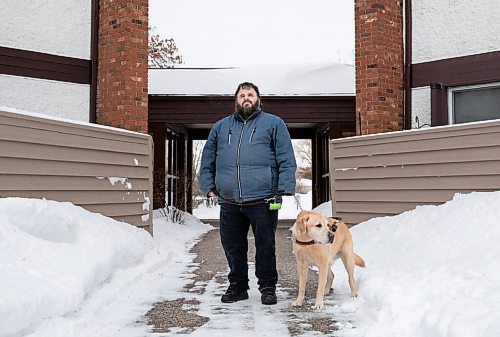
point(297, 202)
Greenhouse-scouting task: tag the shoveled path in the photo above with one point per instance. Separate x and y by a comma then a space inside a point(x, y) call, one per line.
point(187, 314)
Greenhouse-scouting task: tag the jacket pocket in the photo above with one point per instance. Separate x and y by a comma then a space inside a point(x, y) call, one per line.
point(256, 182)
point(226, 182)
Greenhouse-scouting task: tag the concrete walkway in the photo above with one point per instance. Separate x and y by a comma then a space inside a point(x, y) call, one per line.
point(208, 278)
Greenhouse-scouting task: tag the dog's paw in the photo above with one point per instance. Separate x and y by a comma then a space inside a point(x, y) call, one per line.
point(297, 303)
point(319, 306)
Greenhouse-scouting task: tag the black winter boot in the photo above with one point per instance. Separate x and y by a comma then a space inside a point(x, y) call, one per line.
point(268, 296)
point(234, 293)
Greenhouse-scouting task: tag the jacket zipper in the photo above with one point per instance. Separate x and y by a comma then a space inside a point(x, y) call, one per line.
point(238, 160)
point(229, 137)
point(251, 135)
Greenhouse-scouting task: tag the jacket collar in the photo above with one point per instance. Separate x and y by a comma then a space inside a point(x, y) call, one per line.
point(254, 115)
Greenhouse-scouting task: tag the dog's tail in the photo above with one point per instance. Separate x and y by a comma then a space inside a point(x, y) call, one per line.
point(359, 261)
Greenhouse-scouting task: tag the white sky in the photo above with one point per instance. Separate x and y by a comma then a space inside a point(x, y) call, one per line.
point(65, 272)
point(240, 33)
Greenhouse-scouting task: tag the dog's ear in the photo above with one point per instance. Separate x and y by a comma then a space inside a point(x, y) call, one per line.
point(332, 223)
point(302, 215)
point(301, 223)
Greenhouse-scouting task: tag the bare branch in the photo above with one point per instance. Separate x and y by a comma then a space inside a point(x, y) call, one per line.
point(162, 53)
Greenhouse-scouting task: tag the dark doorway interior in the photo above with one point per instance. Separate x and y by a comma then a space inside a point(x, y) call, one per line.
point(175, 121)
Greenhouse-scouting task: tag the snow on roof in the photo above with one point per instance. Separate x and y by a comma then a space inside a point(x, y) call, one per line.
point(325, 79)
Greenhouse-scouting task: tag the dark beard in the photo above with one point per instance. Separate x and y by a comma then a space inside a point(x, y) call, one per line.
point(247, 111)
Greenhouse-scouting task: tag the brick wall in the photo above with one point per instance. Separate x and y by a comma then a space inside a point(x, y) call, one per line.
point(123, 64)
point(379, 62)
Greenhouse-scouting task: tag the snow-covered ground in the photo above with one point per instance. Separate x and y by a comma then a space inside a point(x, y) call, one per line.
point(433, 271)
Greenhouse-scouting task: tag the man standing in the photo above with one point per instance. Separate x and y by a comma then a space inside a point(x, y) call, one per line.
point(248, 164)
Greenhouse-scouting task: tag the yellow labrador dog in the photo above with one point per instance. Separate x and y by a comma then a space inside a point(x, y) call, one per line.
point(319, 241)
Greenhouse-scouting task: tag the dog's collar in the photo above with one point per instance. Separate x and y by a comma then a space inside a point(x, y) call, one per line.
point(312, 242)
point(303, 243)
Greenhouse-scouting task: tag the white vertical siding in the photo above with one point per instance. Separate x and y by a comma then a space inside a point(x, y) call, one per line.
point(52, 27)
point(420, 106)
point(451, 28)
point(61, 28)
point(52, 98)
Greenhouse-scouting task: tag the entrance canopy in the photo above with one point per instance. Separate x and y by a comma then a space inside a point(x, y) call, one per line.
point(316, 101)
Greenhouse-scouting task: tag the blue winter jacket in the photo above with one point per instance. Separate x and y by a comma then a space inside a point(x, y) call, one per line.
point(245, 160)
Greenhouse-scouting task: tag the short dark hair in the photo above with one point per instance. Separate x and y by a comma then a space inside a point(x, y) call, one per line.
point(247, 85)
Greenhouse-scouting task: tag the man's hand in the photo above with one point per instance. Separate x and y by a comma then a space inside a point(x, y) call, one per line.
point(212, 199)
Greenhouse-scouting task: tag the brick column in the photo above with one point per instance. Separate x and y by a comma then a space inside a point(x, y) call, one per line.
point(123, 64)
point(379, 62)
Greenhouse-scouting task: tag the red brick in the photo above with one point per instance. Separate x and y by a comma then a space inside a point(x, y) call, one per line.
point(122, 70)
point(379, 40)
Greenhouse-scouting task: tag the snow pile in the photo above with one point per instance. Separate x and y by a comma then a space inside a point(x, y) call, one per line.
point(433, 271)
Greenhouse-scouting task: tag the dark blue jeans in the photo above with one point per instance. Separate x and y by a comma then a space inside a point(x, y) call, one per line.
point(235, 222)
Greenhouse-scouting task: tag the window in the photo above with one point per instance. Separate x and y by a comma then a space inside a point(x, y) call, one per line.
point(474, 103)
